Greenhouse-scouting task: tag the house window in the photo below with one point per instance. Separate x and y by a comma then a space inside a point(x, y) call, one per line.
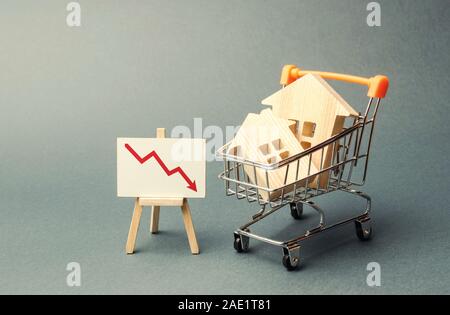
point(308, 129)
point(277, 144)
point(274, 151)
point(305, 145)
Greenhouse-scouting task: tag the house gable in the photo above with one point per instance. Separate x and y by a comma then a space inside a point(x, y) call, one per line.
point(318, 108)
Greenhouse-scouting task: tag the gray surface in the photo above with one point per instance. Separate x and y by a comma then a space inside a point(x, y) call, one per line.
point(66, 94)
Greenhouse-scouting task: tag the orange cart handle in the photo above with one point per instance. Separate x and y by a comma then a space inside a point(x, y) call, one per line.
point(378, 85)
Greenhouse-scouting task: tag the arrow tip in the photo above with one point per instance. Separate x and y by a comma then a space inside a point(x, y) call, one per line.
point(193, 186)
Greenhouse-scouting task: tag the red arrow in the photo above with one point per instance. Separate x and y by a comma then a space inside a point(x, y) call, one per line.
point(191, 184)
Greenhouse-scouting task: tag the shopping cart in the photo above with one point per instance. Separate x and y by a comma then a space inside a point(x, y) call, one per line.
point(351, 150)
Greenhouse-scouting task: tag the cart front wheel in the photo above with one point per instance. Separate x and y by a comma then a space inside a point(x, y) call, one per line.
point(364, 230)
point(288, 264)
point(241, 243)
point(296, 210)
point(238, 245)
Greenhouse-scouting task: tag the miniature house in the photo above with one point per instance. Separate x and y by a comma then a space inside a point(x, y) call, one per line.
point(319, 112)
point(266, 139)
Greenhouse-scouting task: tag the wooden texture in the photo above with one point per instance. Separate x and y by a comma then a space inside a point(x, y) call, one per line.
point(154, 219)
point(160, 133)
point(189, 226)
point(134, 227)
point(267, 139)
point(167, 202)
point(319, 110)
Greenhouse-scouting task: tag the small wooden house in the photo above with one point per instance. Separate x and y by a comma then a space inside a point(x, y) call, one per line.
point(319, 112)
point(266, 139)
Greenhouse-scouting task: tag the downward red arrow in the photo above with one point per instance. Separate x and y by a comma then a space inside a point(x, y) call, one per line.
point(191, 184)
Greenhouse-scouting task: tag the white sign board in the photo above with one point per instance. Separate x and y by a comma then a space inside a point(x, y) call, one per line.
point(161, 168)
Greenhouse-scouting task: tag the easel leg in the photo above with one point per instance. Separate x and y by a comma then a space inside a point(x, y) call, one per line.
point(154, 221)
point(132, 234)
point(187, 218)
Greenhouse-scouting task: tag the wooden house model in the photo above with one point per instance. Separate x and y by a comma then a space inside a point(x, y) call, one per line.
point(267, 139)
point(319, 112)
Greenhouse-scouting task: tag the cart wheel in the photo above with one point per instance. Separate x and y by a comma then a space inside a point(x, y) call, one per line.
point(296, 210)
point(238, 245)
point(287, 263)
point(363, 230)
point(241, 243)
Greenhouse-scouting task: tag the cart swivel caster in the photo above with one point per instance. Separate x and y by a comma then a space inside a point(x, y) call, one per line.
point(363, 229)
point(241, 242)
point(291, 258)
point(296, 210)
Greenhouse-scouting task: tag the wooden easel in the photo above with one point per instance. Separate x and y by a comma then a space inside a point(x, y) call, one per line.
point(156, 204)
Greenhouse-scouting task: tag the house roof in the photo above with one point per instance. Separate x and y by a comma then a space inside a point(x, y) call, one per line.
point(310, 90)
point(260, 129)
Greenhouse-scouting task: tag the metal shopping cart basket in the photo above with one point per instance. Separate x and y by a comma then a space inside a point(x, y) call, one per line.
point(351, 150)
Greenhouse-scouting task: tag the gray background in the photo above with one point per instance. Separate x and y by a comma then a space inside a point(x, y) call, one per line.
point(66, 94)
